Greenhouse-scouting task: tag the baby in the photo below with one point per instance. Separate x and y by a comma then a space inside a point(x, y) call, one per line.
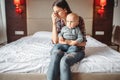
point(70, 32)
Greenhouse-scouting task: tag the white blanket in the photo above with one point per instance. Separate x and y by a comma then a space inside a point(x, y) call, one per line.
point(31, 54)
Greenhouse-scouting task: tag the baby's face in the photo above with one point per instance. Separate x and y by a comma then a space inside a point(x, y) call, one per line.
point(71, 21)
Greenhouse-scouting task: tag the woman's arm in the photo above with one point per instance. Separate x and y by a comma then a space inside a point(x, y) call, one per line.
point(54, 28)
point(83, 31)
point(54, 34)
point(74, 42)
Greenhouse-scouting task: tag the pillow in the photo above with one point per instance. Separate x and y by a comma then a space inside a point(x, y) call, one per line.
point(41, 34)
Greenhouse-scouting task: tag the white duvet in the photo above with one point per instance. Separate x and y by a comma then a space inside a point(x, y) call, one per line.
point(31, 54)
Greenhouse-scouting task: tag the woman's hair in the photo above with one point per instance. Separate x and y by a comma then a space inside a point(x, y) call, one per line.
point(62, 4)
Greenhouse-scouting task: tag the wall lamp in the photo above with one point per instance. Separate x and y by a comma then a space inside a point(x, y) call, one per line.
point(102, 4)
point(18, 6)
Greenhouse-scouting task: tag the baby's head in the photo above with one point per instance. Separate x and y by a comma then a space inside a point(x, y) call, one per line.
point(72, 20)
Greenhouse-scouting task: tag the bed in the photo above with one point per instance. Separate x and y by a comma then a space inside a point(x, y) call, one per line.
point(28, 59)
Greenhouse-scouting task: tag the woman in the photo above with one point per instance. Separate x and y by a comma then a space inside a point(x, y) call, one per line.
point(61, 62)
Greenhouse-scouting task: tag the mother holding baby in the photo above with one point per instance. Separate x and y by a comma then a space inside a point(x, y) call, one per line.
point(60, 62)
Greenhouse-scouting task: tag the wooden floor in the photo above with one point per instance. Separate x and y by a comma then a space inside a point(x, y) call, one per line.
point(75, 76)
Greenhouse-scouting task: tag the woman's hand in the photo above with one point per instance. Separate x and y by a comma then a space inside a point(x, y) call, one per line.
point(72, 42)
point(54, 16)
point(81, 44)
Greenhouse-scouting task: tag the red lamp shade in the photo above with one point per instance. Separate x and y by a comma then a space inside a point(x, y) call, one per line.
point(101, 11)
point(18, 10)
point(102, 3)
point(17, 2)
point(18, 6)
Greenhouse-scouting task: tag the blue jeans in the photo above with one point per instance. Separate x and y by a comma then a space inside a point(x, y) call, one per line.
point(61, 62)
point(65, 48)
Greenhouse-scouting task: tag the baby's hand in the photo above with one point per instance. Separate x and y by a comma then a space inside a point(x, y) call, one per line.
point(61, 39)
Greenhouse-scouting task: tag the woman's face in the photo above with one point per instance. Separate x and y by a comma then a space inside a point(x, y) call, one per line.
point(61, 13)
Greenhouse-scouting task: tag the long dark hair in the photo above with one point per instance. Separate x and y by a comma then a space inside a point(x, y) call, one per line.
point(62, 4)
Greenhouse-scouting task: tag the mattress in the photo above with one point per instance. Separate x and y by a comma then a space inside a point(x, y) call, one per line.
point(31, 55)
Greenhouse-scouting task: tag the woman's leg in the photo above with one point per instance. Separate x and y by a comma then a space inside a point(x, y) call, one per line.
point(73, 49)
point(54, 66)
point(62, 47)
point(68, 60)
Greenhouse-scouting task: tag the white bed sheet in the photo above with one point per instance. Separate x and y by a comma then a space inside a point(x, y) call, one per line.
point(31, 55)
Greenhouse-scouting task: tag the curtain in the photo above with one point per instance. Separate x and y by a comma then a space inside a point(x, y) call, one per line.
point(3, 37)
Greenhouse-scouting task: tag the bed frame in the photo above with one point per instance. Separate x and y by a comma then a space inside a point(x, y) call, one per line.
point(75, 76)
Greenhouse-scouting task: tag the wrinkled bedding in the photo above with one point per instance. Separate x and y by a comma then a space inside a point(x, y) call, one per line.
point(31, 55)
